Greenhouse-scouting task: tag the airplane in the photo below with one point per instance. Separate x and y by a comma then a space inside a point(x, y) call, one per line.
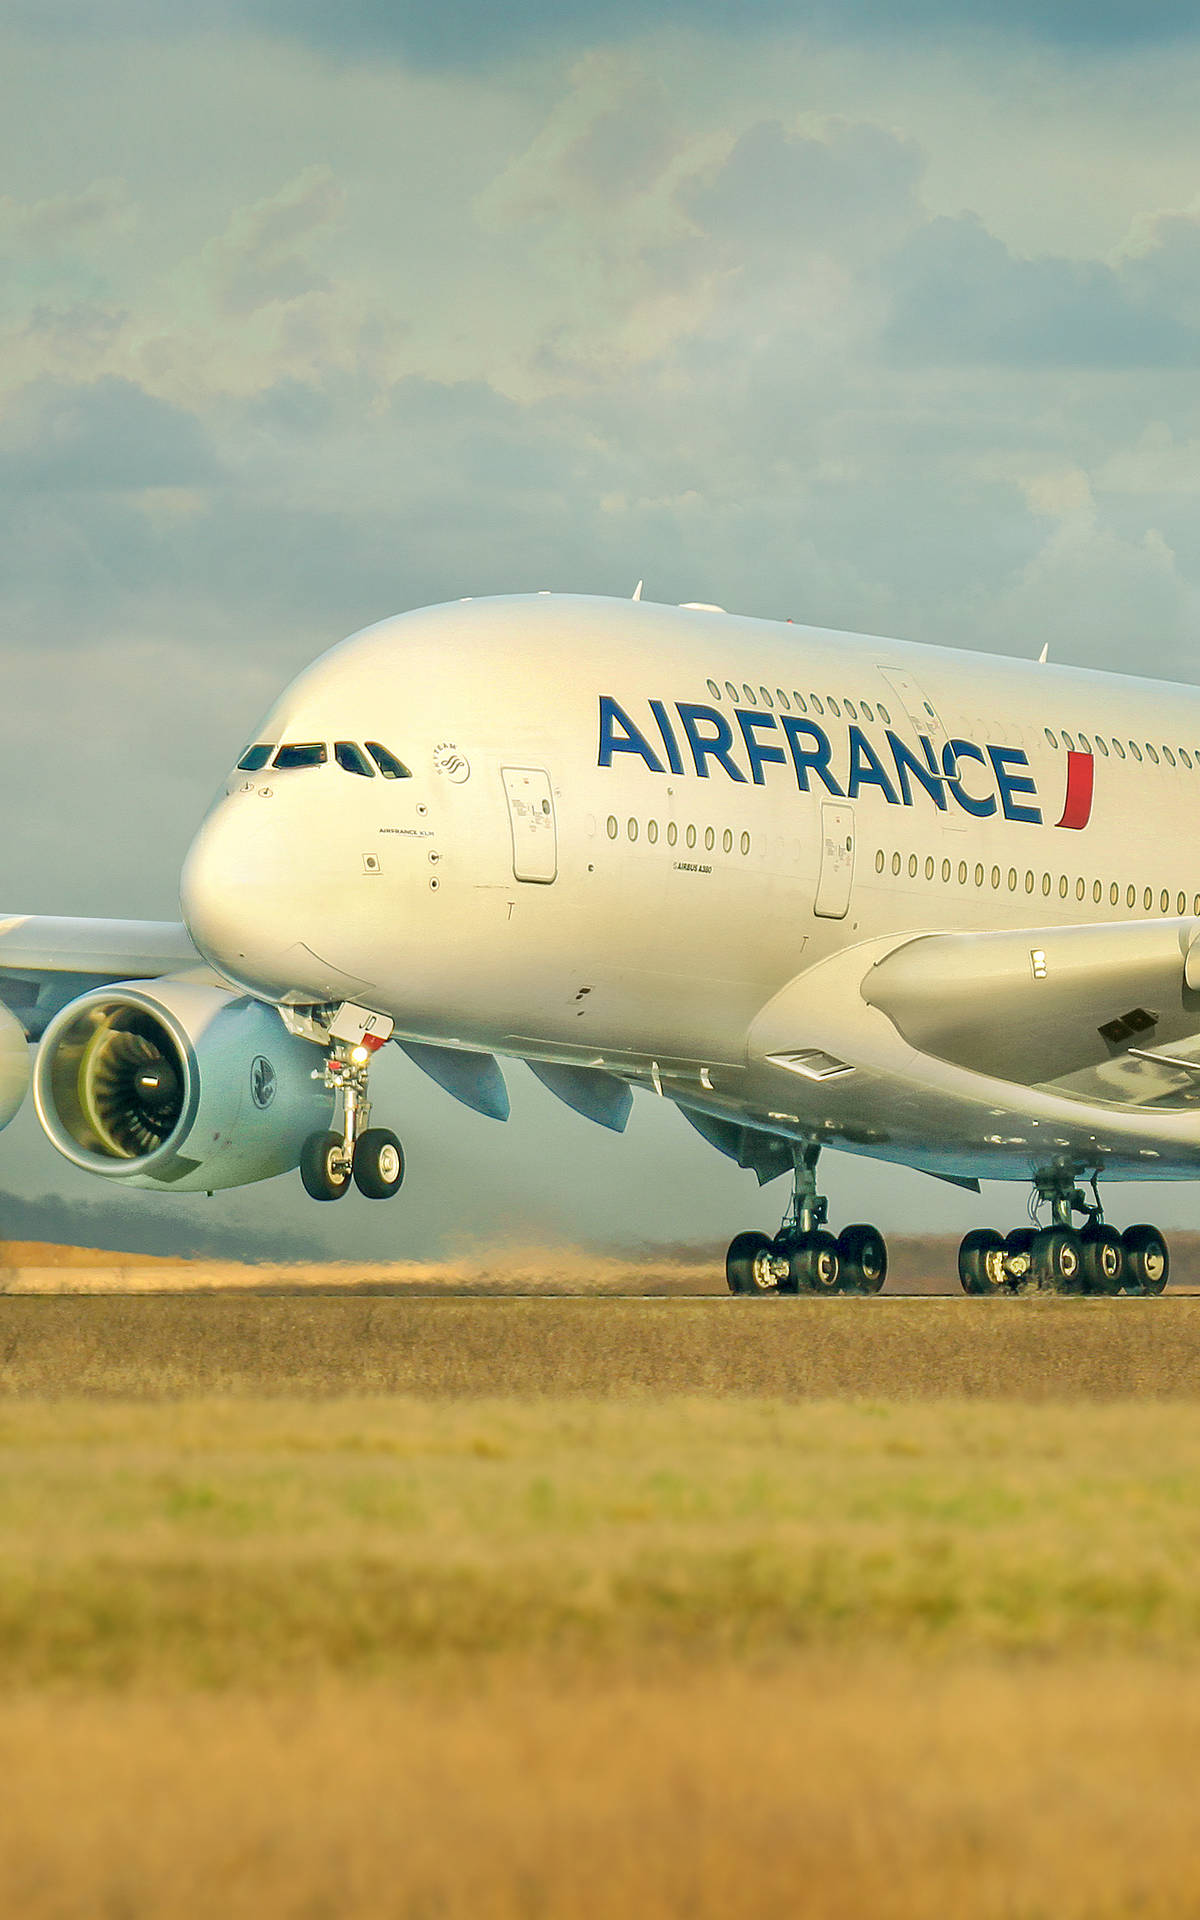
point(817, 889)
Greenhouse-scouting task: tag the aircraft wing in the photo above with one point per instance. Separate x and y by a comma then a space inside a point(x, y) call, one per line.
point(1107, 1012)
point(45, 962)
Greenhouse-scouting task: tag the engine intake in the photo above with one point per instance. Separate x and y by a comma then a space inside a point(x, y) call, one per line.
point(177, 1084)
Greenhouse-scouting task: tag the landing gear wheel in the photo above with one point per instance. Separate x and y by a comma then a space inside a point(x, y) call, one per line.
point(1057, 1259)
point(750, 1264)
point(814, 1264)
point(378, 1164)
point(1147, 1262)
point(981, 1262)
point(862, 1255)
point(323, 1167)
point(1018, 1256)
point(1103, 1259)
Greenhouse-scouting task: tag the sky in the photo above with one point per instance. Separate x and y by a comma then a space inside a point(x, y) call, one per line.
point(311, 314)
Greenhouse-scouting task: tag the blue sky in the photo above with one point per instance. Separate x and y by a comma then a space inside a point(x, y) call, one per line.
point(888, 322)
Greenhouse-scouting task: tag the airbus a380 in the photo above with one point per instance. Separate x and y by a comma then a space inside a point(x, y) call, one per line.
point(817, 889)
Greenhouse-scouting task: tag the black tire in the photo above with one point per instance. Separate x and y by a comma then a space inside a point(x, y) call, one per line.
point(747, 1264)
point(1147, 1260)
point(1018, 1257)
point(814, 1264)
point(1103, 1259)
point(862, 1252)
point(323, 1179)
point(1057, 1257)
point(378, 1164)
point(981, 1261)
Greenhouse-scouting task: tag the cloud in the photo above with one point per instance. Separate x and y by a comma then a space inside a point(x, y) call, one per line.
point(960, 296)
point(103, 437)
point(264, 255)
point(476, 33)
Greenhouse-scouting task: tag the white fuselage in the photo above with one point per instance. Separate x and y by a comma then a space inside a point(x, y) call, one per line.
point(671, 843)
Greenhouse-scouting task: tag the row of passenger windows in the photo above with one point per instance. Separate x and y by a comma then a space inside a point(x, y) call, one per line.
point(314, 753)
point(672, 834)
point(1102, 747)
point(814, 703)
point(1025, 880)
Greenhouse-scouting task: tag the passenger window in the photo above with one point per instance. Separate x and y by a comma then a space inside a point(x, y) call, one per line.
point(815, 703)
point(1168, 756)
point(611, 826)
point(1047, 883)
point(1182, 904)
point(727, 840)
point(879, 861)
point(1068, 743)
point(749, 696)
point(1165, 902)
point(631, 829)
point(1185, 756)
point(312, 754)
point(884, 715)
point(851, 710)
point(945, 871)
point(1028, 881)
point(352, 759)
point(690, 836)
point(929, 868)
point(710, 839)
point(1118, 749)
point(1052, 737)
point(798, 701)
point(672, 833)
point(995, 876)
point(1114, 894)
point(832, 704)
point(714, 689)
point(1012, 879)
point(1097, 892)
point(1148, 899)
point(1131, 896)
point(895, 863)
point(1135, 750)
point(745, 843)
point(1153, 755)
point(962, 873)
point(782, 698)
point(1064, 886)
point(732, 691)
point(254, 758)
point(867, 711)
point(912, 866)
point(1102, 745)
point(389, 766)
point(978, 875)
point(1085, 745)
point(1080, 889)
point(765, 697)
point(652, 831)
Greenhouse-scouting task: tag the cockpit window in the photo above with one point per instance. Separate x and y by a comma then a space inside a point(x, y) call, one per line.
point(352, 759)
point(311, 754)
point(389, 766)
point(254, 758)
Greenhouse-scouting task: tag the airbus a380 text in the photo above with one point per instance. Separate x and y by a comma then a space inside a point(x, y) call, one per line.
point(815, 888)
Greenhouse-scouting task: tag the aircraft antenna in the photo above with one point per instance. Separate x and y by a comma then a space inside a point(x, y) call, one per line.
point(1044, 655)
point(637, 592)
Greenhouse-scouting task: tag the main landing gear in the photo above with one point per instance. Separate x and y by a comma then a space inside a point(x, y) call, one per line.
point(804, 1257)
point(370, 1156)
point(1059, 1258)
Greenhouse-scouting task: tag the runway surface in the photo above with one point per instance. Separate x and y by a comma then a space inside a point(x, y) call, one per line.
point(153, 1346)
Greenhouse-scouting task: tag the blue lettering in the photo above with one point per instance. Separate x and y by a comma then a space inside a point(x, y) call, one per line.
point(866, 769)
point(810, 760)
point(664, 726)
point(1010, 783)
point(716, 746)
point(629, 741)
point(952, 753)
point(758, 754)
point(928, 775)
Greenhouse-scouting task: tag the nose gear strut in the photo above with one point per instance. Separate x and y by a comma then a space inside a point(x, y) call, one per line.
point(371, 1156)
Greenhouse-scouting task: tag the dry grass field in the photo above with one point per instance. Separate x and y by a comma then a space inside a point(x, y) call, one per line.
point(345, 1604)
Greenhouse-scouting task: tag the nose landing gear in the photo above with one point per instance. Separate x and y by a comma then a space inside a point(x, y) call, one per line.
point(804, 1257)
point(370, 1156)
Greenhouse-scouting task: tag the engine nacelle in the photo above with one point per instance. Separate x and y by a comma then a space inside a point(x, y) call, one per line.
point(177, 1084)
point(14, 1066)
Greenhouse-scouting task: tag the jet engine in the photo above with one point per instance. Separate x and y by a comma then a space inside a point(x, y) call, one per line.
point(177, 1084)
point(14, 1066)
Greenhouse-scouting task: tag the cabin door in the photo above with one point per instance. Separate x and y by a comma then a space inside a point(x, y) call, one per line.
point(531, 818)
point(832, 900)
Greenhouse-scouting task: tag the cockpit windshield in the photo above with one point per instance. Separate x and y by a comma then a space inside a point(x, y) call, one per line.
point(352, 759)
point(254, 758)
point(311, 753)
point(389, 766)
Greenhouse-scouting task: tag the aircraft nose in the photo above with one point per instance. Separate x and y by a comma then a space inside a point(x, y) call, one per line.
point(232, 895)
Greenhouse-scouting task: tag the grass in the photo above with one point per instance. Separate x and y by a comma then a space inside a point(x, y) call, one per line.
point(504, 1609)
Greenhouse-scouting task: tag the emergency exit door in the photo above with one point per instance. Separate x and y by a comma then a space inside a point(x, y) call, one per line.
point(531, 818)
point(837, 862)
